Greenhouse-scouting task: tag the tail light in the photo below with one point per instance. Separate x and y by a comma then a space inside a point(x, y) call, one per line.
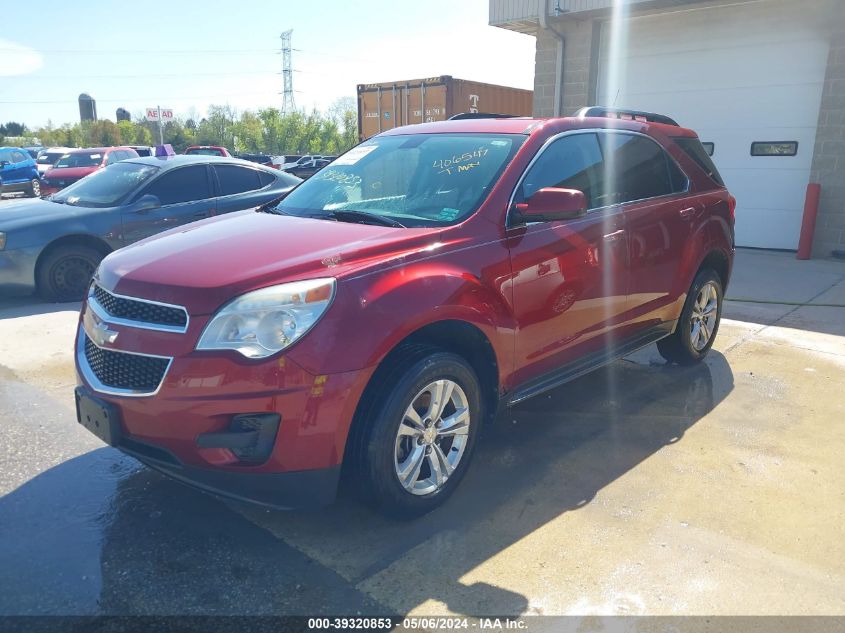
point(732, 208)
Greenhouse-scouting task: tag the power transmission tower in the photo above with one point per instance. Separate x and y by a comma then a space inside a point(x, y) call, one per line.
point(288, 104)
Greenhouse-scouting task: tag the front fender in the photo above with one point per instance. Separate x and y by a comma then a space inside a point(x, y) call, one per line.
point(375, 312)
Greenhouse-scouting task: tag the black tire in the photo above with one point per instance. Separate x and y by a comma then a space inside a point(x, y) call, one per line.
point(65, 272)
point(34, 189)
point(680, 347)
point(377, 447)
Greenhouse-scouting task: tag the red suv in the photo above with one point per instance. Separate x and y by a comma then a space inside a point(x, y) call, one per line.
point(374, 320)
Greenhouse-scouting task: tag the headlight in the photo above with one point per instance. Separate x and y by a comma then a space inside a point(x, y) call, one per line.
point(263, 322)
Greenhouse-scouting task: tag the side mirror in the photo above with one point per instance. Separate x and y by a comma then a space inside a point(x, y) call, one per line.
point(551, 203)
point(3, 163)
point(146, 203)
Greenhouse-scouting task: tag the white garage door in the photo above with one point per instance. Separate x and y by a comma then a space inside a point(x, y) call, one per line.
point(736, 74)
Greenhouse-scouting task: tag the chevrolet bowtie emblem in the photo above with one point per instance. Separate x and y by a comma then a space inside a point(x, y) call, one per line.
point(98, 331)
point(102, 334)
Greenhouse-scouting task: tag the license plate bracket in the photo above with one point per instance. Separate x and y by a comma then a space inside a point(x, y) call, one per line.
point(98, 416)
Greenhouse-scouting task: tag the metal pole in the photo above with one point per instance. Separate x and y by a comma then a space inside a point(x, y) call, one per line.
point(160, 127)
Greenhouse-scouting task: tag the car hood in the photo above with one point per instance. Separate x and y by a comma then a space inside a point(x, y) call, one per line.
point(69, 172)
point(207, 263)
point(21, 214)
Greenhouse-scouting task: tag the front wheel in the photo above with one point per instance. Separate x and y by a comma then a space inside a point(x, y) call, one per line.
point(65, 273)
point(699, 321)
point(420, 441)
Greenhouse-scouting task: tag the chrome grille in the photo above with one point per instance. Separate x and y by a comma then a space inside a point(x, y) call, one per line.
point(140, 311)
point(124, 371)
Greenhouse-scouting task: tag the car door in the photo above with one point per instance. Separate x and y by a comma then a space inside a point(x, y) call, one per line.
point(238, 187)
point(185, 194)
point(652, 190)
point(20, 163)
point(570, 277)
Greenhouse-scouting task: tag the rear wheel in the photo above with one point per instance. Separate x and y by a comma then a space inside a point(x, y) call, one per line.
point(699, 321)
point(65, 272)
point(34, 189)
point(422, 434)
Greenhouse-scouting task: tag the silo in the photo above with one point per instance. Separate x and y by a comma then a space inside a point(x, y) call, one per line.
point(87, 108)
point(122, 114)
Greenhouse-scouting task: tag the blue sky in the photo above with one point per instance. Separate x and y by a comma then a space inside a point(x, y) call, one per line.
point(187, 54)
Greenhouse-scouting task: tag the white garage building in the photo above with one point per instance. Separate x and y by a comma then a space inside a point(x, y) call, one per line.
point(763, 81)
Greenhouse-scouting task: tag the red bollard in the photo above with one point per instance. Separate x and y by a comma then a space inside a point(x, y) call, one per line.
point(808, 224)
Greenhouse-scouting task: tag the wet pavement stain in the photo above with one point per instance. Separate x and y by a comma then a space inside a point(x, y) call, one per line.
point(100, 534)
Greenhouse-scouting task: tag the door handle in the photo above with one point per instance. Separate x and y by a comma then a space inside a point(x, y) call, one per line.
point(687, 213)
point(615, 236)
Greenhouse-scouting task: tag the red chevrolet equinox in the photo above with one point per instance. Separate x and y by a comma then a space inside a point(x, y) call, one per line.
point(369, 325)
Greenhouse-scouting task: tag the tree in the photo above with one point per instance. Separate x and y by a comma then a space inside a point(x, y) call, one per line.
point(102, 133)
point(339, 107)
point(267, 130)
point(13, 128)
point(127, 132)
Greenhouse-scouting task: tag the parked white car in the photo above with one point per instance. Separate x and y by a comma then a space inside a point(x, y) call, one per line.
point(48, 157)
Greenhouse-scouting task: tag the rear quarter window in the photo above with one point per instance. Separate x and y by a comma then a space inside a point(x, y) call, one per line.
point(695, 150)
point(234, 179)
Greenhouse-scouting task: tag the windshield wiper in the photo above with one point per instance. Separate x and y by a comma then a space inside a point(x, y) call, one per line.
point(362, 216)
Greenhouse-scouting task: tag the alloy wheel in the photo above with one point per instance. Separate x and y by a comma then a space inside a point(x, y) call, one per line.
point(703, 316)
point(432, 437)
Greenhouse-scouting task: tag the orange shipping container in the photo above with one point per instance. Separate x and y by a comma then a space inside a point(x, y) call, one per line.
point(384, 106)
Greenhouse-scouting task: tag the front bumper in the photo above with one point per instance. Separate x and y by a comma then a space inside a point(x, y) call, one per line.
point(200, 395)
point(17, 270)
point(285, 490)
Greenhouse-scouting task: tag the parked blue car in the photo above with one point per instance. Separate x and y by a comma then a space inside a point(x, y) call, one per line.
point(18, 172)
point(54, 245)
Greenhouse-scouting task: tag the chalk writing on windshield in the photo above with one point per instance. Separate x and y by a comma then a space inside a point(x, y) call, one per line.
point(339, 177)
point(459, 162)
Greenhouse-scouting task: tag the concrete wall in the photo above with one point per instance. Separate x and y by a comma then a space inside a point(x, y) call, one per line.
point(829, 158)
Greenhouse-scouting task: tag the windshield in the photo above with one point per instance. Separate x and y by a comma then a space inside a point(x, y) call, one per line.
point(80, 160)
point(49, 158)
point(419, 180)
point(106, 187)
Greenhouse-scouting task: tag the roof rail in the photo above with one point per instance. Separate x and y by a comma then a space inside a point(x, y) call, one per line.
point(481, 115)
point(625, 115)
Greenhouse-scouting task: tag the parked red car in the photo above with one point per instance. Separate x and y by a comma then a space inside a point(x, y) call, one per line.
point(78, 163)
point(208, 150)
point(373, 321)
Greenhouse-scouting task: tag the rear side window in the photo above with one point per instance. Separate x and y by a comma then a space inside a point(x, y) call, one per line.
point(637, 168)
point(19, 157)
point(234, 179)
point(571, 162)
point(265, 178)
point(695, 150)
point(185, 184)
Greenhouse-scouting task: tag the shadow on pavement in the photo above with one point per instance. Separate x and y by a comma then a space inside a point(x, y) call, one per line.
point(99, 534)
point(16, 307)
